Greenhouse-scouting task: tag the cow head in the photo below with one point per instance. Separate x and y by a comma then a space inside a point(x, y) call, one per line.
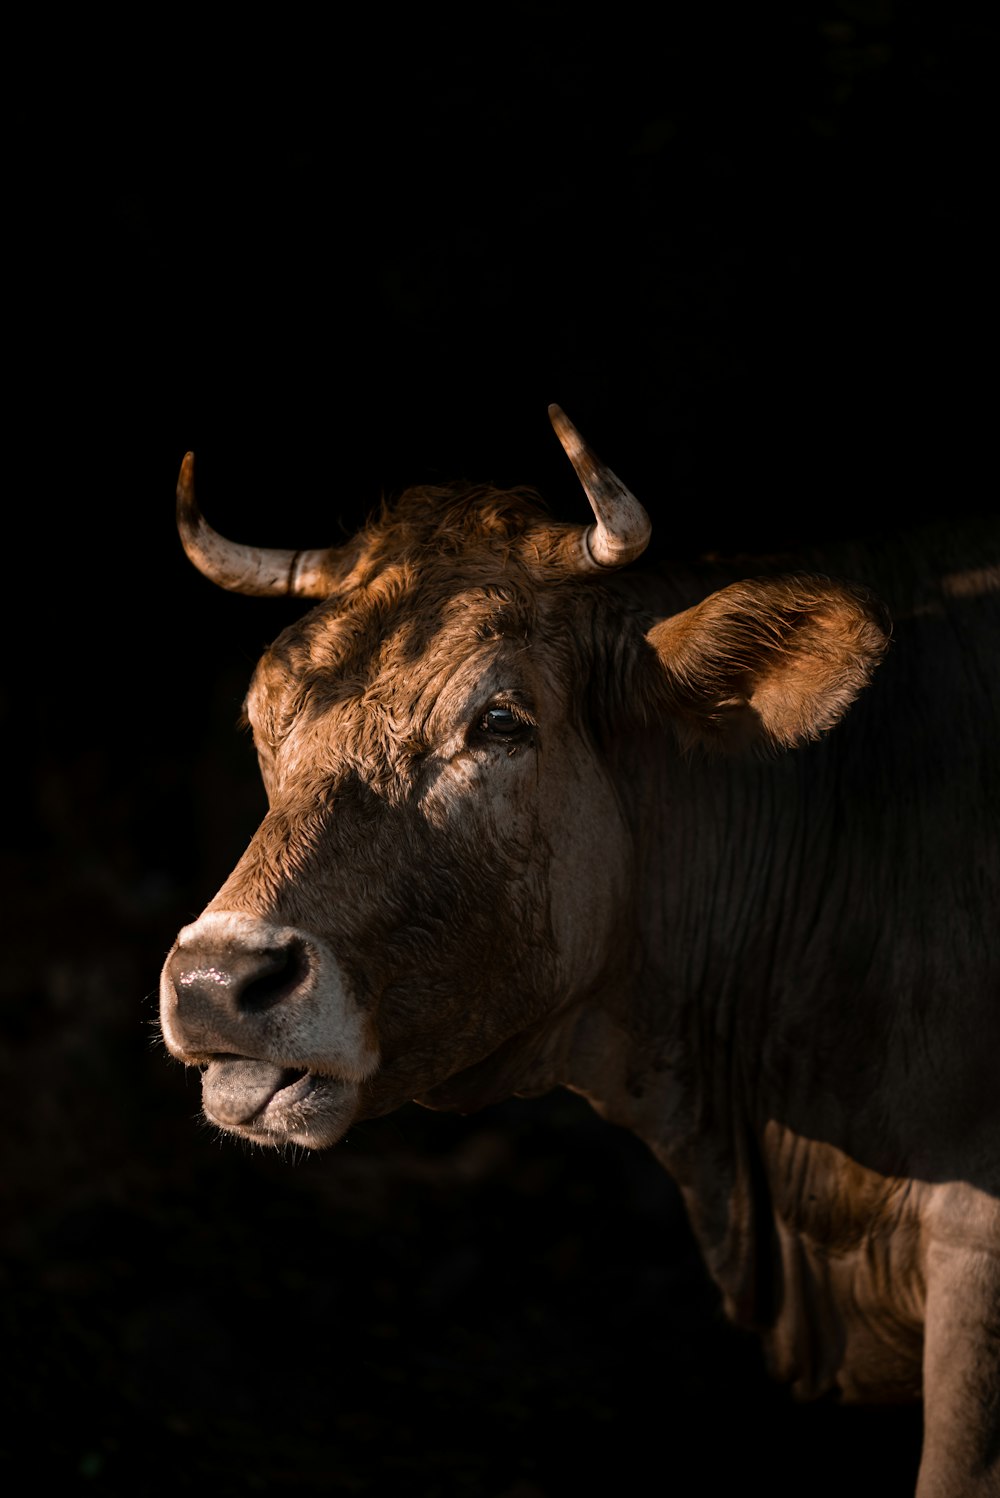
point(445, 866)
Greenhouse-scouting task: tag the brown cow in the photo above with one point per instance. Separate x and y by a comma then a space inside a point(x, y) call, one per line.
point(532, 823)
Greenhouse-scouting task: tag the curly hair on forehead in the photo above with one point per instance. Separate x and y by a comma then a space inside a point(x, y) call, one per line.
point(463, 510)
point(439, 540)
point(432, 521)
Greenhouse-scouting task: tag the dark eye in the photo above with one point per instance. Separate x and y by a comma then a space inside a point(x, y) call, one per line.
point(510, 725)
point(502, 720)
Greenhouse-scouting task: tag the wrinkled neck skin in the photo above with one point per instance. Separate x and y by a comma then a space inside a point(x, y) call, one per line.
point(688, 1061)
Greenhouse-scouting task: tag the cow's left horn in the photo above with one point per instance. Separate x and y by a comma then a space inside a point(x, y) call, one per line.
point(623, 529)
point(263, 572)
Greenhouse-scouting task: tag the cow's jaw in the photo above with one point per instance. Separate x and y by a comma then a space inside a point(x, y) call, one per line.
point(277, 1105)
point(265, 1011)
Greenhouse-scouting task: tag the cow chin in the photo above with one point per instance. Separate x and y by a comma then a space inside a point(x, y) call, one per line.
point(276, 1105)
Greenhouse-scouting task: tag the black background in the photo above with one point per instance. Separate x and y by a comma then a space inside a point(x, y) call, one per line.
point(751, 253)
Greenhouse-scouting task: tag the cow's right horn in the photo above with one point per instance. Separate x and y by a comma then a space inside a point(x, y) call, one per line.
point(261, 571)
point(623, 528)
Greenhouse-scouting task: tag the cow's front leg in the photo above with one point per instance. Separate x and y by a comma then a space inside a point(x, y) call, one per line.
point(961, 1456)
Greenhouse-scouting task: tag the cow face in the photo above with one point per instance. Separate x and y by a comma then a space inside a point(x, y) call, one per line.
point(444, 869)
point(441, 867)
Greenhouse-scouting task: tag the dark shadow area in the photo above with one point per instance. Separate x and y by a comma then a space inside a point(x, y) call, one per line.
point(753, 259)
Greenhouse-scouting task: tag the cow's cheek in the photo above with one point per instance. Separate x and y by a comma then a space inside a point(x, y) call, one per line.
point(486, 972)
point(554, 814)
point(485, 802)
point(582, 824)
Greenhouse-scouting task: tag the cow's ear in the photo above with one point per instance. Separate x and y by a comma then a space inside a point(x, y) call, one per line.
point(772, 661)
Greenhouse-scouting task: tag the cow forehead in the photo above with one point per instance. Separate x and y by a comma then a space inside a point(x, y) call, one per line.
point(393, 645)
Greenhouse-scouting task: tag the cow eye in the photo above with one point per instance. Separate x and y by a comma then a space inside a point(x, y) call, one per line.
point(506, 723)
point(503, 721)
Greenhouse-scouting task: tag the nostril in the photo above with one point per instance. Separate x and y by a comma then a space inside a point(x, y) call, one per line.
point(279, 974)
point(205, 982)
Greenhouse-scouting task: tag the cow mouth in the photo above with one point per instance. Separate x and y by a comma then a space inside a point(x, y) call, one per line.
point(276, 1104)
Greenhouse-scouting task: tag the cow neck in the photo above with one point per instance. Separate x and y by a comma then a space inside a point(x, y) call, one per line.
point(718, 846)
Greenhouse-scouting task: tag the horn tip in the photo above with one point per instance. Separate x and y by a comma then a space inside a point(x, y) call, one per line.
point(185, 484)
point(567, 433)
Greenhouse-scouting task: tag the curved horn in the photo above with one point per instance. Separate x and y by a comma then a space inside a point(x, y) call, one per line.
point(623, 528)
point(259, 571)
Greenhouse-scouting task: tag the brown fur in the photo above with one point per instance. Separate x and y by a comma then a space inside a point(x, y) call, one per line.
point(774, 661)
point(486, 868)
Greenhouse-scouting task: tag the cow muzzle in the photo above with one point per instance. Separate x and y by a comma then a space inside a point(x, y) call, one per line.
point(266, 1011)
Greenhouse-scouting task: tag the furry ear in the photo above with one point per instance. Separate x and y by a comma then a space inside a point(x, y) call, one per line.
point(772, 661)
